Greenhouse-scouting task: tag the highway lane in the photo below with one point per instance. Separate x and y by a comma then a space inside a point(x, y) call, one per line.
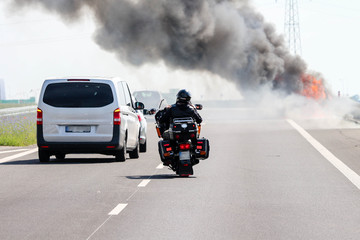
point(263, 180)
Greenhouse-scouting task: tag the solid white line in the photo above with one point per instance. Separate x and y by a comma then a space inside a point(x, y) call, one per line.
point(348, 173)
point(118, 209)
point(144, 183)
point(161, 166)
point(18, 155)
point(15, 150)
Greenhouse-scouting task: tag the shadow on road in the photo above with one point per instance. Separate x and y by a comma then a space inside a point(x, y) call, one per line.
point(61, 162)
point(157, 176)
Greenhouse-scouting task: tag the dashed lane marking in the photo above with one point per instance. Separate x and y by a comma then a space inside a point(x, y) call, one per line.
point(12, 157)
point(144, 183)
point(161, 166)
point(118, 209)
point(121, 206)
point(348, 173)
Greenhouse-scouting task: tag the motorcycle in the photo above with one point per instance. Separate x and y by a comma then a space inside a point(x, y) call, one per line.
point(181, 147)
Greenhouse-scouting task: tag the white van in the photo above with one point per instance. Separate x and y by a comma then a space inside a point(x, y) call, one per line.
point(87, 115)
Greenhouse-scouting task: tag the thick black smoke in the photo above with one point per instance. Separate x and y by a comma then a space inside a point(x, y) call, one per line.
point(225, 37)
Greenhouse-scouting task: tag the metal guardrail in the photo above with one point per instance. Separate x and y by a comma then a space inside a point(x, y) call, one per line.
point(16, 111)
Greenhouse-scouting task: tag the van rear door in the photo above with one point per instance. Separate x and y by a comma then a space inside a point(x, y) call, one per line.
point(78, 111)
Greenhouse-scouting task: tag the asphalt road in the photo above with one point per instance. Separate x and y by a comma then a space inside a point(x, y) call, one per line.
point(263, 180)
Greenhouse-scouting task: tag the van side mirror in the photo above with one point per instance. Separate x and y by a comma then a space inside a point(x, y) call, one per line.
point(139, 105)
point(198, 106)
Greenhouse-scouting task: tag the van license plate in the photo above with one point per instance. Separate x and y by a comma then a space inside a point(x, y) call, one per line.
point(184, 155)
point(78, 129)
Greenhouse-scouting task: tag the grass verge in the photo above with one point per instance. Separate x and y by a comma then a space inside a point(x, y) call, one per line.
point(18, 130)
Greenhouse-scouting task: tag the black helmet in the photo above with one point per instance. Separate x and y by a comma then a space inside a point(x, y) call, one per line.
point(183, 96)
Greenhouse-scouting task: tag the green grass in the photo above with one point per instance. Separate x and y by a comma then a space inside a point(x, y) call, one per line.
point(18, 130)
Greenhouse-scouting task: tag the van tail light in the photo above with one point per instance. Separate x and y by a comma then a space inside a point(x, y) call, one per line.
point(185, 146)
point(117, 119)
point(139, 117)
point(39, 117)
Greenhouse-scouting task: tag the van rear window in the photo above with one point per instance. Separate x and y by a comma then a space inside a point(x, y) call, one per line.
point(81, 95)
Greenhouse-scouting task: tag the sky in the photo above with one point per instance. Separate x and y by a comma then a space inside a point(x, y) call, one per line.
point(35, 45)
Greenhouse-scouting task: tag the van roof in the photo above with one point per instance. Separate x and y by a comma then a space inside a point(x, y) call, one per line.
point(75, 78)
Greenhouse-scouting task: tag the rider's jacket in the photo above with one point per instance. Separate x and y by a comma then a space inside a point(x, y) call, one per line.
point(178, 110)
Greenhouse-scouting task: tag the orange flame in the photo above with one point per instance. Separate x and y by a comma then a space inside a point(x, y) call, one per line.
point(313, 87)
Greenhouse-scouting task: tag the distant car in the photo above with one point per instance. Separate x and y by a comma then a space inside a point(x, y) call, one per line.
point(87, 115)
point(150, 99)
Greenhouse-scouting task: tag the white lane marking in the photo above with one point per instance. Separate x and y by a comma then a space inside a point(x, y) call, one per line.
point(18, 155)
point(144, 183)
point(348, 173)
point(118, 209)
point(161, 166)
point(15, 150)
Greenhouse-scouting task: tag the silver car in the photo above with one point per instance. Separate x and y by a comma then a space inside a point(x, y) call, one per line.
point(150, 99)
point(143, 129)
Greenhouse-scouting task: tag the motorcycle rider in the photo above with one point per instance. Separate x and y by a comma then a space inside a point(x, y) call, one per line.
point(182, 108)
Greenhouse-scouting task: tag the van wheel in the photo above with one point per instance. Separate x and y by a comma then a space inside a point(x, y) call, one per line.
point(60, 156)
point(44, 156)
point(120, 156)
point(143, 147)
point(134, 153)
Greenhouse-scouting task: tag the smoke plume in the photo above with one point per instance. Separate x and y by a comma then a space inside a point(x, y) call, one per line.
point(225, 37)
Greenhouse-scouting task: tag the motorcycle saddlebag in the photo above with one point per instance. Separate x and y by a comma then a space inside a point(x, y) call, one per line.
point(165, 150)
point(202, 148)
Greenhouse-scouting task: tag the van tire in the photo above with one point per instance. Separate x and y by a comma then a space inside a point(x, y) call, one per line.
point(143, 147)
point(44, 156)
point(135, 153)
point(120, 156)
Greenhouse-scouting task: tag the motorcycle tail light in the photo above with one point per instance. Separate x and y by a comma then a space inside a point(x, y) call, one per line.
point(177, 136)
point(199, 147)
point(185, 146)
point(192, 135)
point(168, 149)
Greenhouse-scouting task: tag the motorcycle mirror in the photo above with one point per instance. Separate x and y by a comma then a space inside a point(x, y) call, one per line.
point(198, 106)
point(152, 111)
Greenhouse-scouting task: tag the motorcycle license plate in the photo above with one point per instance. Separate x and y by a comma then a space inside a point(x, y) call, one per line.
point(184, 155)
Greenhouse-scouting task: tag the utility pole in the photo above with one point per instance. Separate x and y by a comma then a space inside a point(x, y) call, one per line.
point(292, 27)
